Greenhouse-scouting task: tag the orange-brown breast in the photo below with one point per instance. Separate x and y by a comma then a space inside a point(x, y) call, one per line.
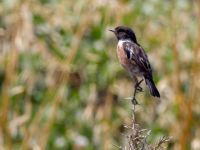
point(124, 61)
point(128, 64)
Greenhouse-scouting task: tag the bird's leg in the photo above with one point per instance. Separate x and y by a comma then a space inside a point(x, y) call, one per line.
point(136, 89)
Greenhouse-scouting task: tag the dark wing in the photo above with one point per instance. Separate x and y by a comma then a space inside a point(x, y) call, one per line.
point(137, 54)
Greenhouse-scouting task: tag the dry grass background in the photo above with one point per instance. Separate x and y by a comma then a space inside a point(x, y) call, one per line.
point(61, 86)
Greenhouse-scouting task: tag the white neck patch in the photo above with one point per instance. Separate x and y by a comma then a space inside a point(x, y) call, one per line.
point(120, 42)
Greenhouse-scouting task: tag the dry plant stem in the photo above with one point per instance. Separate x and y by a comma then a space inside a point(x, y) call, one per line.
point(133, 137)
point(193, 94)
point(133, 116)
point(10, 65)
point(11, 60)
point(183, 104)
point(162, 141)
point(45, 130)
point(137, 140)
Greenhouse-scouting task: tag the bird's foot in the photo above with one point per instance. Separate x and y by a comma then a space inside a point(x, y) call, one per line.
point(134, 101)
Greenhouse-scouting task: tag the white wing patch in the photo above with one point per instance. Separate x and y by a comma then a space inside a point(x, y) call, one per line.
point(130, 48)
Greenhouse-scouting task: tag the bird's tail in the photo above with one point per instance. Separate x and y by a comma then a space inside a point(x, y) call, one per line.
point(152, 88)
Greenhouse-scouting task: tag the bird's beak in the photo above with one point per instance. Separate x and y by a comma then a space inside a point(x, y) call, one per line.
point(112, 30)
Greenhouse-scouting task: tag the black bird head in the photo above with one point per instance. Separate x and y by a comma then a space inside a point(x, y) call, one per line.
point(124, 33)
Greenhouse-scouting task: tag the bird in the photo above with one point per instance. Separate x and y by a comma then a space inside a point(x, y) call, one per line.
point(133, 58)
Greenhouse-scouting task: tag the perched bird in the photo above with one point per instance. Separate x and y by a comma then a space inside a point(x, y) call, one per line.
point(133, 58)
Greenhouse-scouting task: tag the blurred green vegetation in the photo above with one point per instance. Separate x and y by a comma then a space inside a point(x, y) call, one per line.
point(61, 86)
